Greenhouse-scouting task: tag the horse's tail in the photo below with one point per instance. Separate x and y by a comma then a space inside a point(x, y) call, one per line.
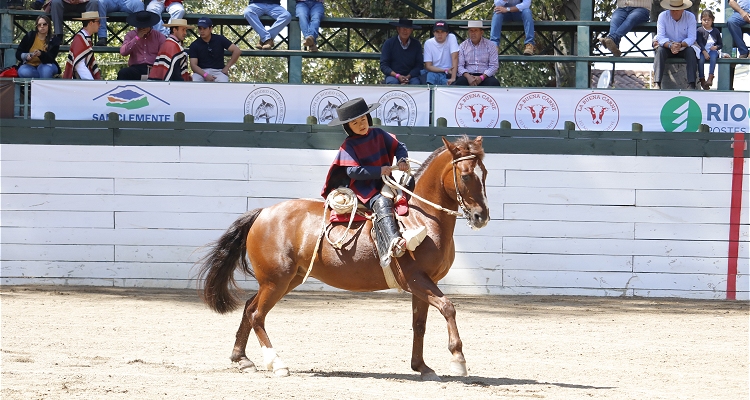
point(217, 267)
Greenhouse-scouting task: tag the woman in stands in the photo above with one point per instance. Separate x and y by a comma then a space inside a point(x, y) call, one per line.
point(38, 50)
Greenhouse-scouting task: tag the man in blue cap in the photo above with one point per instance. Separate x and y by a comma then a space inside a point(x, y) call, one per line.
point(207, 54)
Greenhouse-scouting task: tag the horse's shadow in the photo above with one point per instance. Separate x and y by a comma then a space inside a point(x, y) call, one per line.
point(468, 380)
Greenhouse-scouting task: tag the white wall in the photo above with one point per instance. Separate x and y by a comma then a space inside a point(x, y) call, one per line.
point(575, 225)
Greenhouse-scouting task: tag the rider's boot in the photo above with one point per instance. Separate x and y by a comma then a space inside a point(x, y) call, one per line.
point(390, 243)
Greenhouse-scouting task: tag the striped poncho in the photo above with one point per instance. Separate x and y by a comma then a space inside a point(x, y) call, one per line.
point(377, 148)
point(81, 50)
point(171, 63)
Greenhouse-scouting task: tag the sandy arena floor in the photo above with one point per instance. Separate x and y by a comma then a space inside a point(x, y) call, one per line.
point(114, 343)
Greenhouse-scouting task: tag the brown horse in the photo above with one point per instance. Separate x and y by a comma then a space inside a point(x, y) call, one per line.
point(280, 242)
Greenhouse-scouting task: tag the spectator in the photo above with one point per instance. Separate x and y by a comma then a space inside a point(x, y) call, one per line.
point(477, 59)
point(309, 13)
point(707, 46)
point(735, 22)
point(141, 44)
point(273, 8)
point(626, 16)
point(207, 54)
point(441, 56)
point(38, 50)
point(107, 6)
point(175, 9)
point(171, 63)
point(81, 61)
point(401, 56)
point(513, 10)
point(675, 34)
point(60, 7)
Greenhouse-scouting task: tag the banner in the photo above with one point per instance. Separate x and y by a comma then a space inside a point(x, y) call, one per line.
point(223, 102)
point(592, 110)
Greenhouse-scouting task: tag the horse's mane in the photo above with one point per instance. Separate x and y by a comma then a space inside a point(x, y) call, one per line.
point(463, 143)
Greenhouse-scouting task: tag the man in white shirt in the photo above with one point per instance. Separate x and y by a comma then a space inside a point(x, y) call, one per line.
point(675, 34)
point(441, 56)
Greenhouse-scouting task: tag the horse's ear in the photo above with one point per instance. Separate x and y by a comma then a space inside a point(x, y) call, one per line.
point(449, 146)
point(478, 141)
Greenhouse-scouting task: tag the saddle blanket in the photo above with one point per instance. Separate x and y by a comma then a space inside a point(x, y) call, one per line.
point(401, 206)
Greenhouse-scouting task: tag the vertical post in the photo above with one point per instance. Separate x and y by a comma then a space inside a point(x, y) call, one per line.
point(583, 45)
point(295, 43)
point(440, 9)
point(735, 209)
point(6, 36)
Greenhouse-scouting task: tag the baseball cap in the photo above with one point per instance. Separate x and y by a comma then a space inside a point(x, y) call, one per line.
point(205, 22)
point(440, 26)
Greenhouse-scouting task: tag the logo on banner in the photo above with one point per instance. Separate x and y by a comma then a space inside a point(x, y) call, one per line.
point(681, 114)
point(266, 105)
point(477, 110)
point(324, 104)
point(397, 108)
point(129, 97)
point(597, 112)
point(537, 110)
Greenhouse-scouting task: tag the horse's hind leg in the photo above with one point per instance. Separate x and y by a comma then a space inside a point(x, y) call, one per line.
point(251, 321)
point(243, 333)
point(427, 291)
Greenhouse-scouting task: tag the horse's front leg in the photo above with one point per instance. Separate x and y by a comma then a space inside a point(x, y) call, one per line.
point(419, 325)
point(426, 290)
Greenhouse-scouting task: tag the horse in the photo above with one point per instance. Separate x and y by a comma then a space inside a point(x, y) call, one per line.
point(282, 242)
point(396, 114)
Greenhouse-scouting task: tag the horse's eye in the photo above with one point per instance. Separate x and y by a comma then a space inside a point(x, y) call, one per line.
point(465, 178)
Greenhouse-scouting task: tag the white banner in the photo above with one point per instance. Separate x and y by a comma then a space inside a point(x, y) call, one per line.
point(222, 102)
point(593, 110)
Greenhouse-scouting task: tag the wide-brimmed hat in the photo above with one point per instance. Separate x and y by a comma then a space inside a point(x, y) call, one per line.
point(475, 24)
point(440, 26)
point(178, 22)
point(142, 19)
point(405, 23)
point(352, 110)
point(89, 16)
point(676, 4)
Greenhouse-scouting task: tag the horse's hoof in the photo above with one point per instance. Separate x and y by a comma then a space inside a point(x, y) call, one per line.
point(281, 372)
point(247, 366)
point(431, 377)
point(459, 368)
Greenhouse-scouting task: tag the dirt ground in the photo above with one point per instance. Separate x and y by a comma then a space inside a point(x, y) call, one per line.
point(95, 343)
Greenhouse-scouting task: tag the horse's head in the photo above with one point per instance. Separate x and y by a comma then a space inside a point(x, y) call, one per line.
point(469, 178)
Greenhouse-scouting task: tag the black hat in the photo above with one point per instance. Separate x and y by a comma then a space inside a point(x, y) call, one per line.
point(352, 110)
point(143, 19)
point(405, 23)
point(440, 26)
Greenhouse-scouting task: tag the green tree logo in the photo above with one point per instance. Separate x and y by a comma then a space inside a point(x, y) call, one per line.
point(681, 114)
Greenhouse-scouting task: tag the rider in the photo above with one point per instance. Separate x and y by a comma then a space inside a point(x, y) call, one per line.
point(367, 154)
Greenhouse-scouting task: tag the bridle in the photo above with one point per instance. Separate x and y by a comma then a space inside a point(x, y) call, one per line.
point(462, 204)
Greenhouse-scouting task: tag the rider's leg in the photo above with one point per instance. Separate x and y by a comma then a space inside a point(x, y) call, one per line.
point(390, 242)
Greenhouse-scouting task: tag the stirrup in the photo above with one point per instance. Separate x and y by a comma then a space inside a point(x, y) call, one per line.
point(414, 237)
point(397, 248)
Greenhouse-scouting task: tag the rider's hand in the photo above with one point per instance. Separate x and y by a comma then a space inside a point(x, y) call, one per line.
point(385, 170)
point(403, 166)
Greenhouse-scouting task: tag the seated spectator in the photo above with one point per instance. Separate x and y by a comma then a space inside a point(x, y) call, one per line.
point(735, 22)
point(707, 46)
point(675, 34)
point(477, 58)
point(175, 9)
point(142, 44)
point(38, 50)
point(207, 54)
point(81, 61)
point(513, 10)
point(273, 8)
point(626, 16)
point(441, 56)
point(401, 56)
point(60, 7)
point(309, 13)
point(171, 63)
point(108, 6)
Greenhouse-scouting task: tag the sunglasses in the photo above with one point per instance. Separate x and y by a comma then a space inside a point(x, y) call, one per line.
point(42, 24)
